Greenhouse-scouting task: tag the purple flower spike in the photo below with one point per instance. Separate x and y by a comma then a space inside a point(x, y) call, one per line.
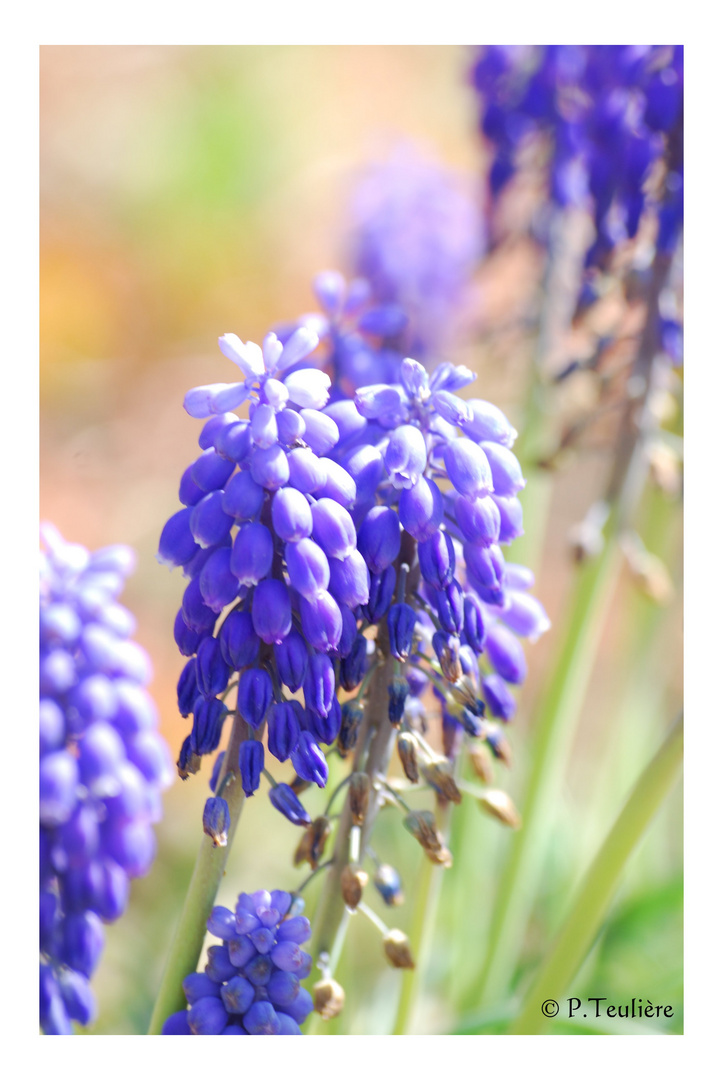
point(253, 553)
point(379, 538)
point(321, 621)
point(291, 514)
point(251, 764)
point(506, 654)
point(421, 509)
point(468, 468)
point(308, 567)
point(405, 456)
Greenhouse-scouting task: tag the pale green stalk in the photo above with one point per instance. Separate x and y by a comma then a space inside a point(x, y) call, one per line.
point(202, 890)
point(601, 881)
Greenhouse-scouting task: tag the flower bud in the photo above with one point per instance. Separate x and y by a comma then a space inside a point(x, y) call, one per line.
point(498, 697)
point(253, 553)
point(482, 763)
point(446, 646)
point(271, 611)
point(389, 885)
point(359, 792)
point(381, 591)
point(421, 509)
point(499, 805)
point(506, 654)
point(407, 750)
point(251, 764)
point(468, 468)
point(312, 843)
point(353, 880)
point(283, 730)
point(438, 773)
point(309, 761)
point(286, 802)
point(216, 821)
point(396, 948)
point(379, 538)
point(238, 640)
point(401, 620)
point(328, 998)
point(398, 692)
point(351, 718)
point(437, 559)
point(188, 762)
point(255, 693)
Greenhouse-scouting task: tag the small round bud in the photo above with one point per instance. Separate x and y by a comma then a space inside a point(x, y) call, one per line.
point(499, 805)
point(396, 947)
point(328, 998)
point(353, 881)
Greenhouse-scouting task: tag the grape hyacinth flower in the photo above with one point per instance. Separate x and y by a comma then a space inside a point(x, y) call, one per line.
point(251, 984)
point(610, 114)
point(269, 546)
point(103, 766)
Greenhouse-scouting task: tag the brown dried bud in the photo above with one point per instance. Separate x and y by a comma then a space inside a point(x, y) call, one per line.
point(359, 789)
point(312, 844)
point(423, 828)
point(396, 947)
point(443, 857)
point(353, 881)
point(407, 750)
point(303, 850)
point(438, 773)
point(500, 805)
point(189, 767)
point(481, 760)
point(665, 468)
point(328, 998)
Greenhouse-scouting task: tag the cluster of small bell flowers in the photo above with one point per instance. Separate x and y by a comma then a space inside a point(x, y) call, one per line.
point(103, 765)
point(432, 528)
point(269, 544)
point(609, 113)
point(251, 984)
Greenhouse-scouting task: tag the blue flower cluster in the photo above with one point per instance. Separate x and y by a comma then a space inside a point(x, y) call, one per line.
point(251, 984)
point(442, 504)
point(613, 116)
point(266, 535)
point(103, 765)
point(416, 239)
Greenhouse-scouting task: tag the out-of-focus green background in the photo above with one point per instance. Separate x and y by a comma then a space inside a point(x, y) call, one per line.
point(189, 191)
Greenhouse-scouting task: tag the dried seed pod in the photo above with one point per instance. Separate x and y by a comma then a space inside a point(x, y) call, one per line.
point(407, 750)
point(396, 947)
point(359, 790)
point(499, 745)
point(312, 844)
point(328, 998)
point(500, 805)
point(298, 785)
point(353, 881)
point(351, 718)
point(438, 773)
point(465, 692)
point(423, 828)
point(443, 857)
point(481, 760)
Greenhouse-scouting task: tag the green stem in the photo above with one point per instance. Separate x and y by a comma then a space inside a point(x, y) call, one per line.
point(553, 735)
point(427, 887)
point(598, 888)
point(207, 874)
